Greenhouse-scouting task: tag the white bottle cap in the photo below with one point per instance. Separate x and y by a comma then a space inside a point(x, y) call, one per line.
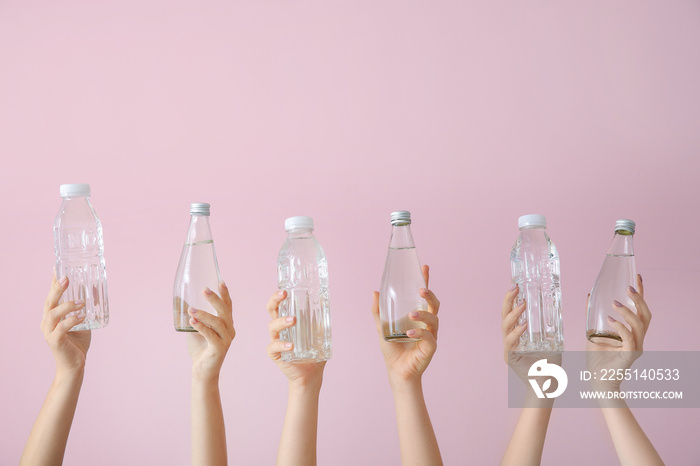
point(532, 220)
point(625, 225)
point(73, 190)
point(199, 208)
point(401, 217)
point(298, 222)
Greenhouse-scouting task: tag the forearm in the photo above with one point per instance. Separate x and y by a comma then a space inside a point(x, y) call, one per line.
point(632, 445)
point(416, 435)
point(298, 441)
point(47, 441)
point(208, 431)
point(527, 442)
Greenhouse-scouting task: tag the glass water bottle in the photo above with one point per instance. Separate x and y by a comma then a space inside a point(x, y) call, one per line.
point(198, 269)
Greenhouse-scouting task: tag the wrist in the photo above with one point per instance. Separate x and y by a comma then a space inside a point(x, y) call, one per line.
point(401, 384)
point(69, 375)
point(306, 385)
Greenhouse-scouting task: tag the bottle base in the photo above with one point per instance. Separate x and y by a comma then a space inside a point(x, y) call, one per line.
point(185, 329)
point(605, 338)
point(306, 356)
point(93, 325)
point(400, 338)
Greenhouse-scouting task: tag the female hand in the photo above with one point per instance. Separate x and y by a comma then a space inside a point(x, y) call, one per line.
point(208, 347)
point(297, 373)
point(69, 348)
point(601, 357)
point(408, 361)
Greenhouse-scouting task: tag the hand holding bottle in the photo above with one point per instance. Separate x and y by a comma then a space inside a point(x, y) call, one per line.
point(301, 373)
point(621, 357)
point(408, 360)
point(209, 345)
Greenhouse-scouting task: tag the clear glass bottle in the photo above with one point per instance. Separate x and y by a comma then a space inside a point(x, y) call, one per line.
point(401, 282)
point(79, 249)
point(617, 274)
point(302, 271)
point(535, 268)
point(198, 269)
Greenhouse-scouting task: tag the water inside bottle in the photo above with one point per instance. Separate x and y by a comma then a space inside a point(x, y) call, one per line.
point(198, 270)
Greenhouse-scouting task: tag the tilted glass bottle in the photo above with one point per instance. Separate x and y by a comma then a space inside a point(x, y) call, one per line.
point(79, 251)
point(302, 271)
point(198, 269)
point(401, 282)
point(616, 276)
point(534, 264)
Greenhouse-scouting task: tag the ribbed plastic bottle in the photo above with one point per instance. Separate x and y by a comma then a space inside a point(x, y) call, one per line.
point(535, 268)
point(617, 274)
point(79, 251)
point(302, 271)
point(401, 282)
point(198, 269)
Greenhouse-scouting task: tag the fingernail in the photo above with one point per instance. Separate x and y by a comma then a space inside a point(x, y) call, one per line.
point(631, 288)
point(79, 302)
point(640, 278)
point(410, 333)
point(513, 288)
point(290, 319)
point(63, 280)
point(223, 284)
point(423, 291)
point(193, 321)
point(617, 303)
point(192, 310)
point(524, 324)
point(288, 345)
point(280, 293)
point(207, 291)
point(413, 314)
point(610, 319)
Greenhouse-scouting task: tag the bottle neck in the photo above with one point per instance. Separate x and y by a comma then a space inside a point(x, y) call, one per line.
point(622, 244)
point(199, 230)
point(401, 237)
point(298, 233)
point(532, 230)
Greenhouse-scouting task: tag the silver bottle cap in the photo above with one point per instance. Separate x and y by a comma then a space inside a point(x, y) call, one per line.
point(400, 218)
point(532, 220)
point(199, 208)
point(298, 222)
point(73, 190)
point(625, 225)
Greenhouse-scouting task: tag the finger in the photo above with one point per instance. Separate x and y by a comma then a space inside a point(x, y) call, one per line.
point(628, 343)
point(433, 302)
point(509, 300)
point(375, 310)
point(426, 274)
point(275, 349)
point(510, 341)
point(226, 297)
point(208, 333)
point(223, 311)
point(54, 316)
point(55, 293)
point(635, 323)
point(640, 284)
point(428, 318)
point(425, 336)
point(274, 303)
point(215, 323)
point(642, 309)
point(66, 324)
point(278, 325)
point(511, 320)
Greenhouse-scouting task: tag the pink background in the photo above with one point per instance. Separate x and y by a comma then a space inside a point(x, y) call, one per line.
point(468, 114)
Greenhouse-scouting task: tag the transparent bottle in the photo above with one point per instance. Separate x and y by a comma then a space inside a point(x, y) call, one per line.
point(302, 271)
point(198, 269)
point(401, 282)
point(79, 248)
point(535, 268)
point(617, 274)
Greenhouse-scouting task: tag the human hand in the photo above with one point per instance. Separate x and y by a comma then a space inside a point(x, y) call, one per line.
point(209, 345)
point(599, 357)
point(69, 348)
point(408, 360)
point(302, 374)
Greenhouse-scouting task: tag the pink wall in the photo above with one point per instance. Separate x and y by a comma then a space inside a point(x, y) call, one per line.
point(469, 114)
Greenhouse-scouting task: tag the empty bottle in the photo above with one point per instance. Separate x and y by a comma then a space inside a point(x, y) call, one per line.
point(79, 248)
point(616, 276)
point(198, 269)
point(302, 271)
point(401, 282)
point(534, 264)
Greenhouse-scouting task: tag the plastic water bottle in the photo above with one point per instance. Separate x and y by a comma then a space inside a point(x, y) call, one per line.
point(302, 270)
point(79, 248)
point(198, 269)
point(617, 274)
point(534, 264)
point(401, 282)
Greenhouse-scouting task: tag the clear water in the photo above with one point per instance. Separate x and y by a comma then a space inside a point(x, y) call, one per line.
point(302, 270)
point(198, 269)
point(79, 249)
point(399, 294)
point(535, 267)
